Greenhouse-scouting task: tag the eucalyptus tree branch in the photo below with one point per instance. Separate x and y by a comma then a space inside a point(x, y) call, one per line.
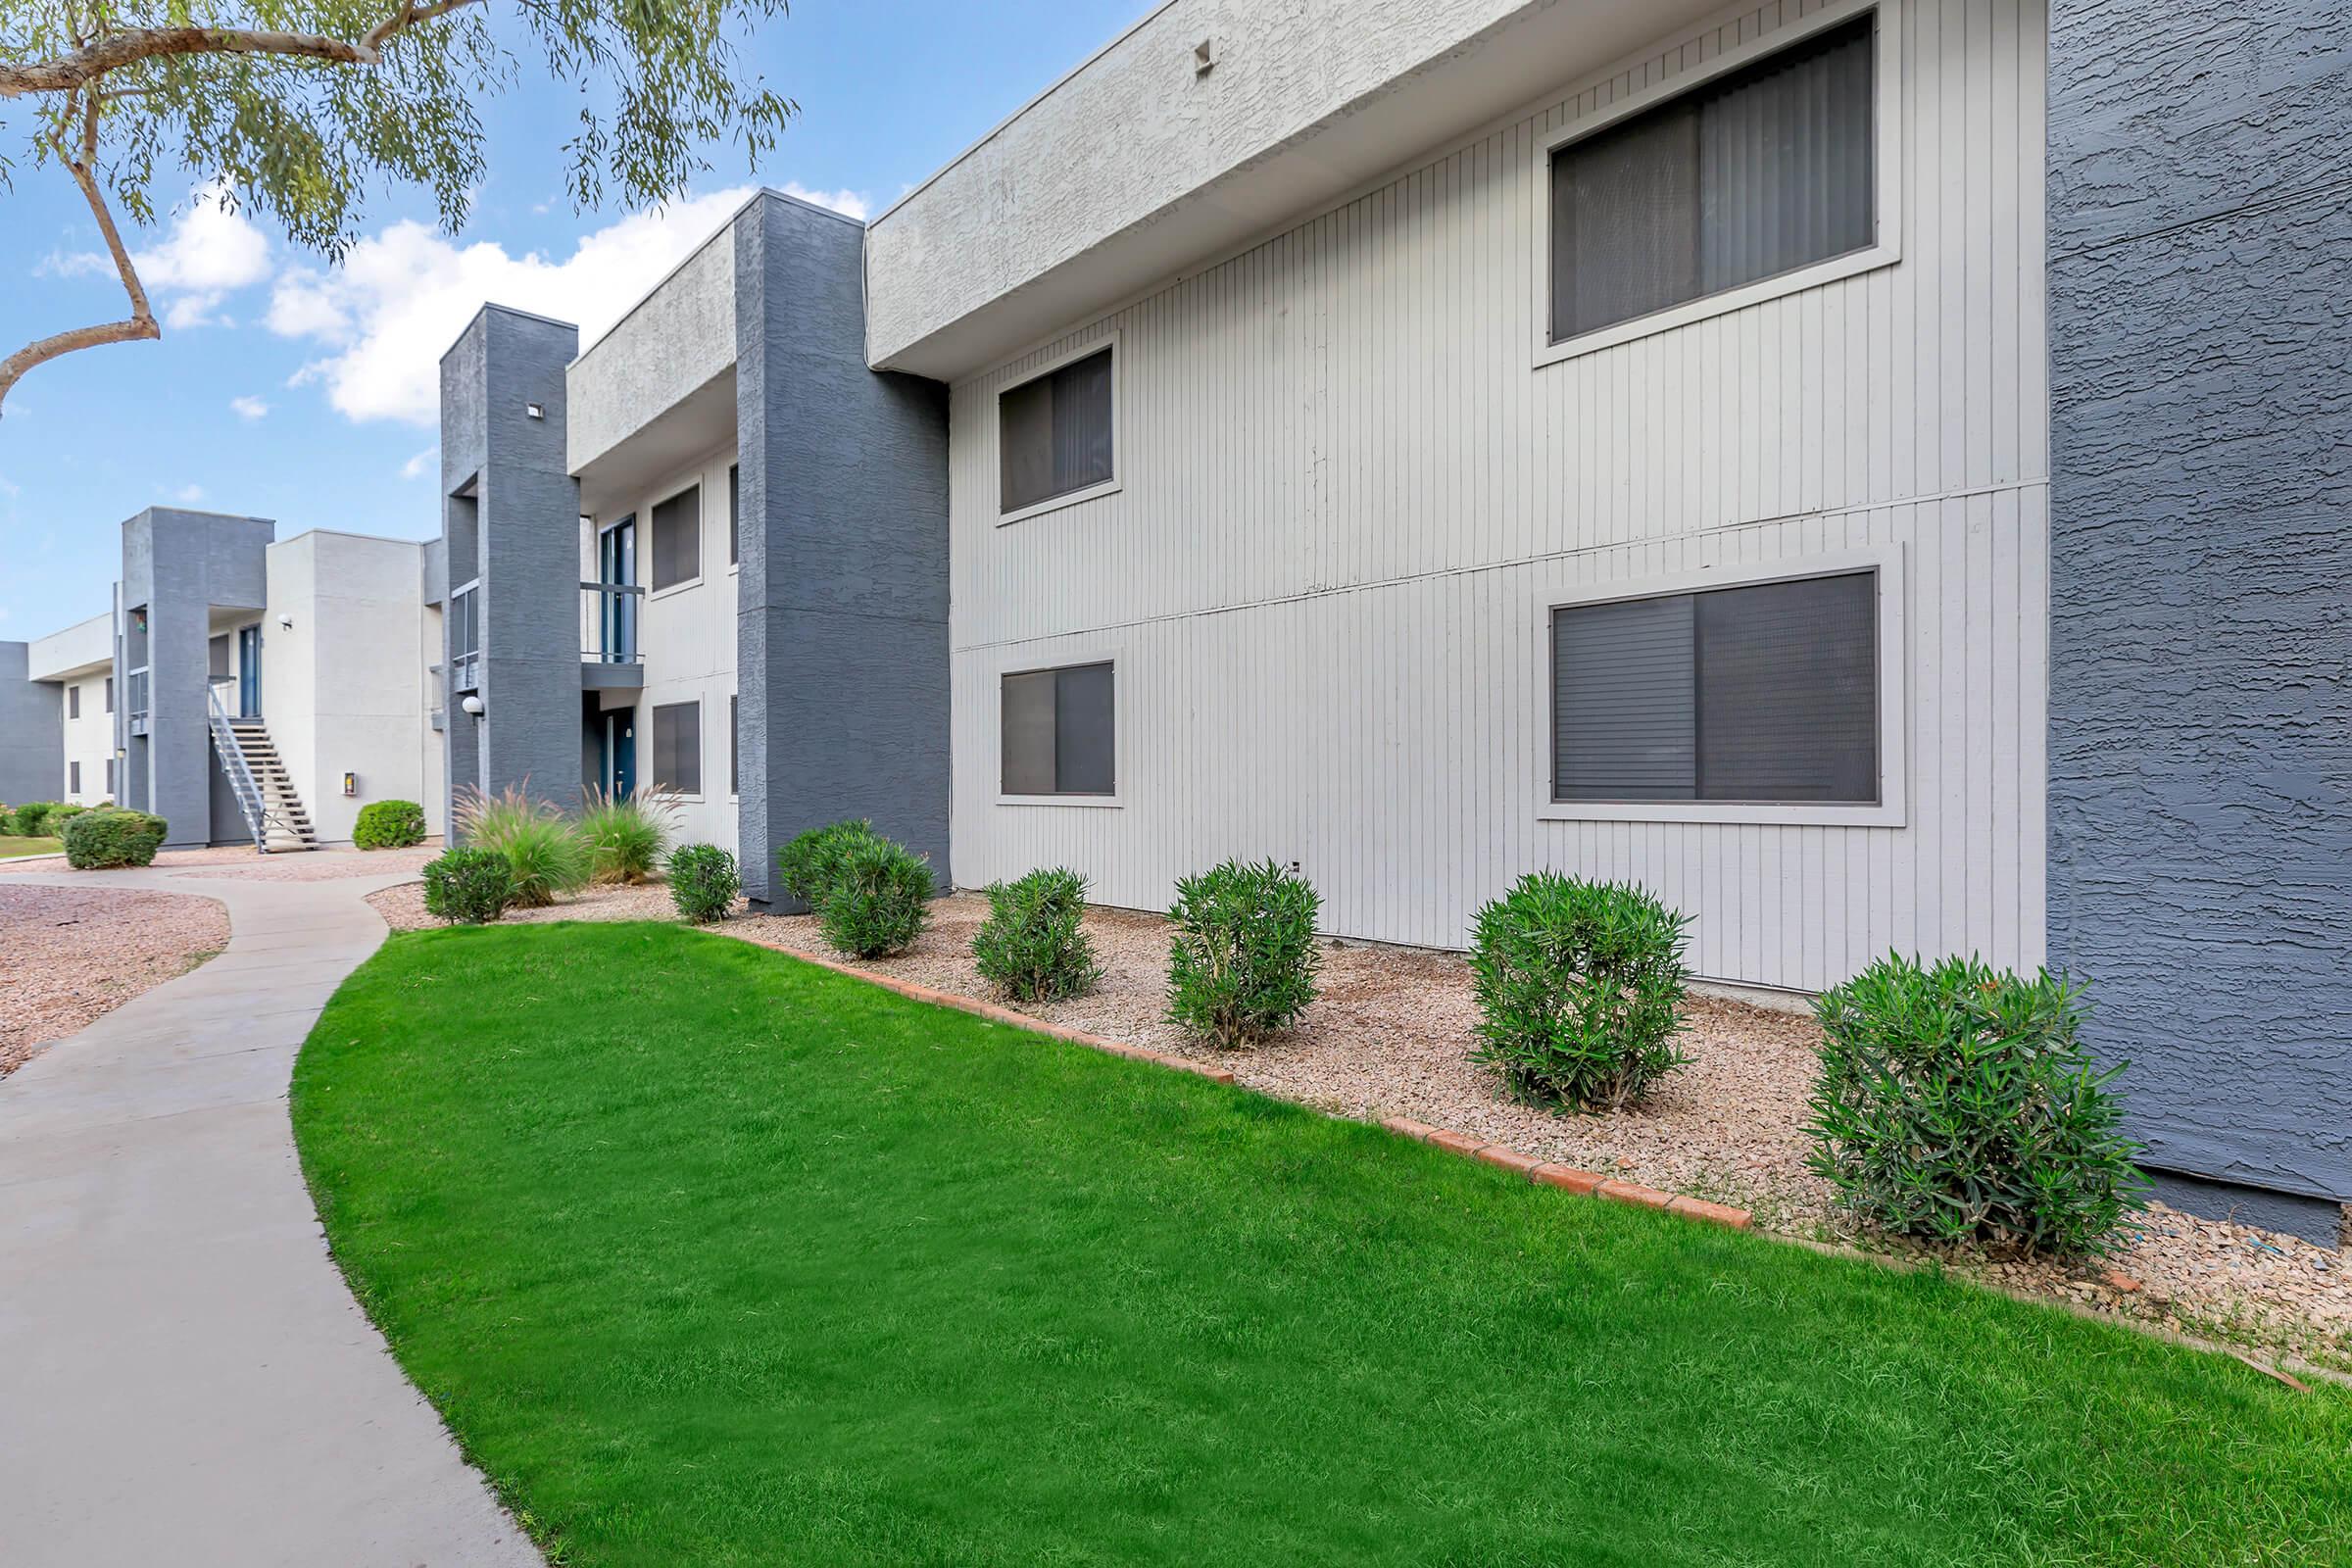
point(67, 73)
point(140, 325)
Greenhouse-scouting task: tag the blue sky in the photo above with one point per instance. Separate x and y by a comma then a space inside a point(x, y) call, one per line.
point(287, 390)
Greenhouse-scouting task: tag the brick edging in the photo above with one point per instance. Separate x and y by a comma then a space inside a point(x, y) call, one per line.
point(1545, 1173)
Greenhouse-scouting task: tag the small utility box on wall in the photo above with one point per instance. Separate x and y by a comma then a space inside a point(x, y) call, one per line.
point(351, 783)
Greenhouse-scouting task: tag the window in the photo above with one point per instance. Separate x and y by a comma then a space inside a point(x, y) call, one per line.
point(678, 747)
point(73, 705)
point(110, 778)
point(1054, 433)
point(1059, 732)
point(217, 652)
point(678, 539)
point(734, 750)
point(1756, 173)
point(72, 778)
point(1765, 693)
point(110, 694)
point(734, 514)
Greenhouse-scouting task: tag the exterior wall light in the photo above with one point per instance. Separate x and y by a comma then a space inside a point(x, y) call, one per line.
point(471, 704)
point(286, 622)
point(534, 411)
point(351, 783)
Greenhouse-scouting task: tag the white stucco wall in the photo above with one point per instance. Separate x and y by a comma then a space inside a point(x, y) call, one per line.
point(673, 342)
point(339, 690)
point(80, 658)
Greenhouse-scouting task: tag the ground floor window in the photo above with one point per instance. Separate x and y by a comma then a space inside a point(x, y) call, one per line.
point(1765, 693)
point(1059, 732)
point(678, 747)
point(72, 778)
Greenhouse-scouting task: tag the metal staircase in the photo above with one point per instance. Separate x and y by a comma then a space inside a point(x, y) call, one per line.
point(273, 811)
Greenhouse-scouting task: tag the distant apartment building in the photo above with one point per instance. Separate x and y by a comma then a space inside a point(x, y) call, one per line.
point(1869, 470)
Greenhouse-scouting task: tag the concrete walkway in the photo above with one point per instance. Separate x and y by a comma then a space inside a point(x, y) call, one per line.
point(184, 1377)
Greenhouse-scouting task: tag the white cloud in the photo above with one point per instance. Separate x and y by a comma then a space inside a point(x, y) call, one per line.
point(850, 203)
point(249, 408)
point(71, 263)
point(208, 253)
point(401, 296)
point(187, 495)
point(418, 466)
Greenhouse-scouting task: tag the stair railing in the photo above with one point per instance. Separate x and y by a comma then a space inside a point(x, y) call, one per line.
point(259, 817)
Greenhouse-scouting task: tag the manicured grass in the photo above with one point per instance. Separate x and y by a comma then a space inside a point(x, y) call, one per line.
point(12, 846)
point(711, 1257)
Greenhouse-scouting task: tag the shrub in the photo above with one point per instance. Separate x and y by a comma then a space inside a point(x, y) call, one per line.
point(627, 833)
point(809, 865)
point(703, 882)
point(58, 815)
point(1031, 946)
point(1579, 990)
point(98, 841)
point(546, 857)
point(468, 886)
point(879, 899)
point(388, 825)
point(1243, 961)
point(33, 816)
point(1955, 1103)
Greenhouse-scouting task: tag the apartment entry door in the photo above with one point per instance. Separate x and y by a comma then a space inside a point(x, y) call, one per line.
point(616, 613)
point(621, 751)
point(249, 673)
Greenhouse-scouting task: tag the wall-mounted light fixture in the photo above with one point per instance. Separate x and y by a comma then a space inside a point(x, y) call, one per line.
point(471, 704)
point(351, 783)
point(1205, 57)
point(286, 622)
point(534, 411)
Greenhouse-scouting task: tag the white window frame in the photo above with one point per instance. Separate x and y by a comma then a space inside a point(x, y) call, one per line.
point(1118, 434)
point(1886, 252)
point(1116, 658)
point(1891, 809)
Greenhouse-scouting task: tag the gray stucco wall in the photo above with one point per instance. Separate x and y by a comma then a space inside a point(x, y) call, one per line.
point(523, 540)
point(2200, 810)
point(842, 650)
point(180, 566)
point(32, 749)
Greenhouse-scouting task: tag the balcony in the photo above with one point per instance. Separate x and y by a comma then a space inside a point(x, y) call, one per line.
point(610, 658)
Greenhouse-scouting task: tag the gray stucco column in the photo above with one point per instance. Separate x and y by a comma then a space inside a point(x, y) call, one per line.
point(510, 517)
point(842, 645)
point(32, 737)
point(2201, 685)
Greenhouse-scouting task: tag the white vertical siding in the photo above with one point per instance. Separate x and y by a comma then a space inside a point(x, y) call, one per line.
point(1345, 492)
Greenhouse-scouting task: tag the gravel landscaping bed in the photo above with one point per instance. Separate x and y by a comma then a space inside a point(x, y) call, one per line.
point(309, 865)
point(1389, 1036)
point(69, 955)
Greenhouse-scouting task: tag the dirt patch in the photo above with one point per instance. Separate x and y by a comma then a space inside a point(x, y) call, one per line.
point(69, 955)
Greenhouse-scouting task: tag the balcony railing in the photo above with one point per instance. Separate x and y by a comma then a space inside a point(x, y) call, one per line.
point(608, 622)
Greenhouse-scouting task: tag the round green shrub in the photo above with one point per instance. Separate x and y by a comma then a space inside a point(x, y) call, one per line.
point(32, 817)
point(1579, 989)
point(703, 882)
point(1032, 947)
point(879, 899)
point(468, 886)
point(102, 840)
point(1956, 1102)
point(388, 825)
point(808, 866)
point(1243, 961)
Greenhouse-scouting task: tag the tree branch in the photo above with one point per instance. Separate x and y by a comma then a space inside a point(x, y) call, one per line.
point(141, 323)
point(67, 73)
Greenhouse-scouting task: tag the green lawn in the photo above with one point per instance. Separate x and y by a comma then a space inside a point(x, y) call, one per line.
point(712, 1256)
point(11, 846)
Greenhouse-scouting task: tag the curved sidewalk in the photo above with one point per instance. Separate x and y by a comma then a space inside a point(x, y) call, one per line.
point(183, 1376)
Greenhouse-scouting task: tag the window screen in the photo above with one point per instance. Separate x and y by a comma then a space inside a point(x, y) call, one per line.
point(216, 654)
point(1755, 173)
point(1763, 693)
point(1054, 433)
point(1059, 735)
point(73, 705)
point(110, 777)
point(734, 514)
point(678, 747)
point(110, 694)
point(679, 538)
point(73, 779)
point(734, 750)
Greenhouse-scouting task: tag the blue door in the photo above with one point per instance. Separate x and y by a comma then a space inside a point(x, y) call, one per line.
point(616, 563)
point(621, 751)
point(249, 673)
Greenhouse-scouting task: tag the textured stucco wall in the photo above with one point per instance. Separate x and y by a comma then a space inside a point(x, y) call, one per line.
point(677, 338)
point(524, 547)
point(2200, 814)
point(30, 733)
point(181, 565)
point(842, 602)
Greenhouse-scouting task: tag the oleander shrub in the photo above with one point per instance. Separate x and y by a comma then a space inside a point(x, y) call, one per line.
point(32, 817)
point(1956, 1102)
point(1241, 964)
point(1032, 947)
point(1579, 989)
point(102, 840)
point(810, 864)
point(878, 899)
point(547, 859)
point(703, 882)
point(388, 825)
point(627, 833)
point(468, 886)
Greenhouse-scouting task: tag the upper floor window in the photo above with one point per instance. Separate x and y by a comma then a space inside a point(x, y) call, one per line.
point(1054, 433)
point(1764, 694)
point(1058, 734)
point(734, 514)
point(1756, 172)
point(110, 694)
point(679, 538)
point(73, 701)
